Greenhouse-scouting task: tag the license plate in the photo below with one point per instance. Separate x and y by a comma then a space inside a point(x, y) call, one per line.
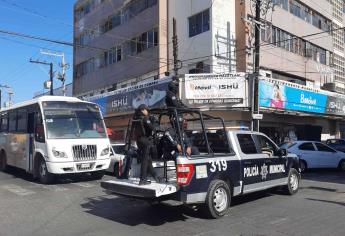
point(85, 165)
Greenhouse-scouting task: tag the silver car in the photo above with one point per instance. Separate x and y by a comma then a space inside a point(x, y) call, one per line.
point(314, 154)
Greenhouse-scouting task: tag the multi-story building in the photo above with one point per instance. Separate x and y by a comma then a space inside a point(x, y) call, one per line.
point(119, 43)
point(338, 21)
point(299, 44)
point(122, 42)
point(285, 50)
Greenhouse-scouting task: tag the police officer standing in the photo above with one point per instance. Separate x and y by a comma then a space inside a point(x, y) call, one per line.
point(171, 99)
point(144, 128)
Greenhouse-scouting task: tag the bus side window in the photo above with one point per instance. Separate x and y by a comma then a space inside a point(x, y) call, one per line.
point(39, 131)
point(4, 123)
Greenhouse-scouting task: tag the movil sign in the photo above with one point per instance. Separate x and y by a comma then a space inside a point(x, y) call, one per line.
point(325, 71)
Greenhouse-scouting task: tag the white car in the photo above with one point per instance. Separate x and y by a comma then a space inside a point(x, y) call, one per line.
point(117, 156)
point(314, 154)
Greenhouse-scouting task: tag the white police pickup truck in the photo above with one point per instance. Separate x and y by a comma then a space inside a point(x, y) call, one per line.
point(226, 164)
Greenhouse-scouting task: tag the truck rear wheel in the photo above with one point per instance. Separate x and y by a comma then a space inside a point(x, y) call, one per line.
point(293, 182)
point(3, 161)
point(218, 199)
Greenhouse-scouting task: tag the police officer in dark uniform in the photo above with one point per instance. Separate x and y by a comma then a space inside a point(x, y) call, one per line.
point(144, 126)
point(171, 99)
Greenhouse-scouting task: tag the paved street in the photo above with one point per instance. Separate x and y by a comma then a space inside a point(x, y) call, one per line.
point(80, 207)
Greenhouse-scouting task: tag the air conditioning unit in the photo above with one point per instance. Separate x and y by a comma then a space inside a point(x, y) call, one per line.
point(309, 53)
point(329, 87)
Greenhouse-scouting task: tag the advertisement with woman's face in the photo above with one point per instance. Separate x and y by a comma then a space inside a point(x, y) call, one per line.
point(151, 94)
point(272, 95)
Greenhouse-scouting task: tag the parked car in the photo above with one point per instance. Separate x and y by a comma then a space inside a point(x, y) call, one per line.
point(316, 155)
point(117, 155)
point(337, 144)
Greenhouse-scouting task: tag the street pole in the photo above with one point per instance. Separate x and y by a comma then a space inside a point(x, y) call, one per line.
point(2, 86)
point(51, 78)
point(175, 48)
point(63, 66)
point(257, 64)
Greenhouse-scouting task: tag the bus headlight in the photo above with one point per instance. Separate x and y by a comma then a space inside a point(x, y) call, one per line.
point(59, 153)
point(105, 152)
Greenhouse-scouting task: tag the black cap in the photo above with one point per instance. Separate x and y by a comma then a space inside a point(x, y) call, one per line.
point(143, 107)
point(173, 86)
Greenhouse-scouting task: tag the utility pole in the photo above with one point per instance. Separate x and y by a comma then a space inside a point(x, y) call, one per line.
point(10, 93)
point(2, 86)
point(175, 48)
point(63, 66)
point(255, 106)
point(51, 75)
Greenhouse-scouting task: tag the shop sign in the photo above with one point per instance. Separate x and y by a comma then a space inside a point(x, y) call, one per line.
point(128, 99)
point(217, 90)
point(288, 96)
point(257, 116)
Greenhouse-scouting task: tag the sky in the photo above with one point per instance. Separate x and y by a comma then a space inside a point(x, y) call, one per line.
point(51, 19)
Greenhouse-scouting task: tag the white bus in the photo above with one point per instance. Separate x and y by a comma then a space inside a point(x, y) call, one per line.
point(53, 135)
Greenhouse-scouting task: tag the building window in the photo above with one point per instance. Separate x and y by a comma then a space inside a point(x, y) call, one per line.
point(305, 13)
point(199, 23)
point(199, 67)
point(122, 15)
point(118, 53)
point(281, 3)
point(292, 43)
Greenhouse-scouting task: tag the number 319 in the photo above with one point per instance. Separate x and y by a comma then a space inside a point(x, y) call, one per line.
point(220, 165)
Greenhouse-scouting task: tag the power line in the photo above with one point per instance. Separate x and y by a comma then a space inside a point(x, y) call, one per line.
point(267, 44)
point(66, 43)
point(35, 13)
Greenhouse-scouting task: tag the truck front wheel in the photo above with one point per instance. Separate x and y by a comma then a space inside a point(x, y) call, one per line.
point(293, 182)
point(218, 199)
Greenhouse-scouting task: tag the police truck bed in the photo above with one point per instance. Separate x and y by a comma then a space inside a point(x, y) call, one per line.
point(131, 187)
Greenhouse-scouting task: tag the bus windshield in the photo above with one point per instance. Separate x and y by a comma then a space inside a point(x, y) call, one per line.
point(73, 120)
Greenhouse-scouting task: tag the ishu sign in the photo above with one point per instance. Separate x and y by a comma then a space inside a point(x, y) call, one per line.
point(229, 89)
point(288, 96)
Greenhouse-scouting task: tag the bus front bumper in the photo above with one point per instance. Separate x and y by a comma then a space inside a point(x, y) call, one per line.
point(77, 167)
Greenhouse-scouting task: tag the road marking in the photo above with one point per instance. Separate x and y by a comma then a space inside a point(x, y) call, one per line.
point(84, 185)
point(278, 221)
point(55, 188)
point(17, 190)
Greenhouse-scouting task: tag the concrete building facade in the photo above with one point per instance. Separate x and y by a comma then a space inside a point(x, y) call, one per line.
point(285, 50)
point(123, 42)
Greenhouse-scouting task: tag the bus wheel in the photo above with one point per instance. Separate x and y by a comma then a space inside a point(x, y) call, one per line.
point(218, 199)
point(43, 174)
point(3, 161)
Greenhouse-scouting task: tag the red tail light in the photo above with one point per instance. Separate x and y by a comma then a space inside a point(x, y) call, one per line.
point(184, 173)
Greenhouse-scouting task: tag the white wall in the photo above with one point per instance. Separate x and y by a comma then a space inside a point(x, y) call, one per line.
point(208, 43)
point(223, 34)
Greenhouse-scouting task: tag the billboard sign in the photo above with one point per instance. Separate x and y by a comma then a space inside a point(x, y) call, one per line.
point(283, 95)
point(217, 90)
point(128, 99)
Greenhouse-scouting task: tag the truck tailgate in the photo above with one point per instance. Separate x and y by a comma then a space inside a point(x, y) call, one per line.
point(131, 187)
